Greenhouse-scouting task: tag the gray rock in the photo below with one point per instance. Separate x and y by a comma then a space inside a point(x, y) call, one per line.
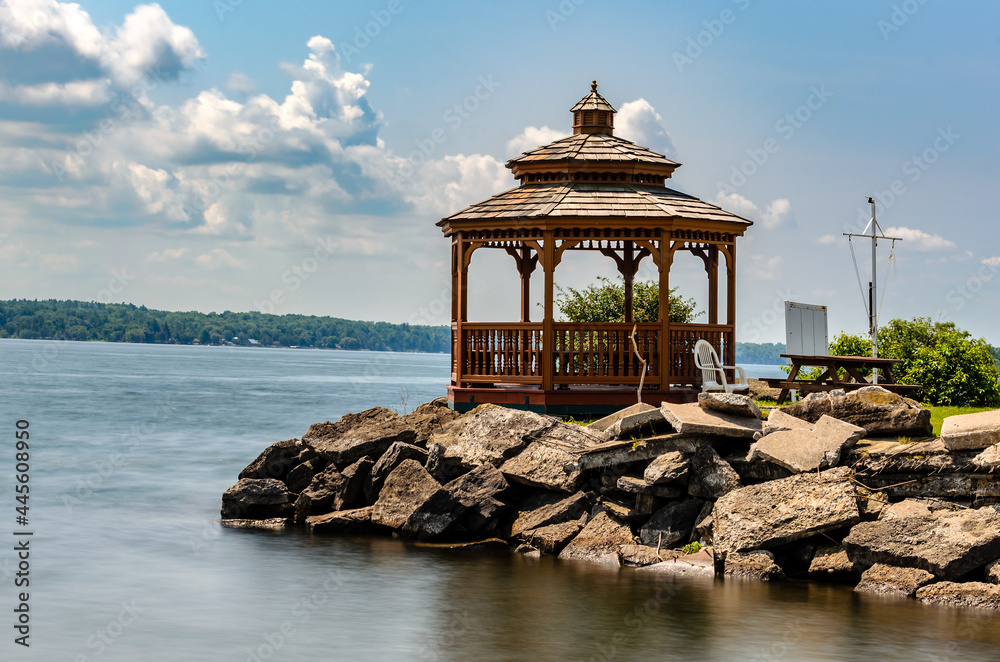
point(671, 524)
point(690, 419)
point(957, 487)
point(968, 594)
point(729, 403)
point(993, 572)
point(545, 465)
point(906, 508)
point(273, 524)
point(800, 450)
point(637, 556)
point(756, 471)
point(275, 461)
point(667, 468)
point(893, 580)
point(490, 434)
point(599, 541)
point(945, 543)
point(404, 491)
point(390, 459)
point(332, 490)
point(700, 564)
point(631, 421)
point(528, 551)
point(636, 485)
point(548, 510)
point(300, 477)
point(552, 538)
point(757, 564)
point(779, 419)
point(365, 434)
point(771, 514)
point(613, 453)
point(703, 523)
point(429, 418)
point(477, 496)
point(256, 498)
point(711, 476)
point(878, 411)
point(989, 458)
point(444, 469)
point(971, 431)
point(830, 563)
point(342, 522)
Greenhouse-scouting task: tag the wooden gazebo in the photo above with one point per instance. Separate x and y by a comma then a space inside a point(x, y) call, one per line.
point(597, 192)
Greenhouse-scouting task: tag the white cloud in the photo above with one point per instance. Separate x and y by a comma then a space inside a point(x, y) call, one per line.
point(148, 41)
point(922, 240)
point(531, 138)
point(992, 261)
point(217, 258)
point(827, 240)
point(761, 267)
point(166, 254)
point(57, 262)
point(241, 83)
point(777, 214)
point(639, 122)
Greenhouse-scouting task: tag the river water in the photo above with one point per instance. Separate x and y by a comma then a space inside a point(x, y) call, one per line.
point(132, 446)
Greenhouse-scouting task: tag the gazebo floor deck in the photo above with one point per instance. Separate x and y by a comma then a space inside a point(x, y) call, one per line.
point(579, 401)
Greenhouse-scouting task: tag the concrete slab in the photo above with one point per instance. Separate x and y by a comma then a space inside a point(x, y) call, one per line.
point(971, 431)
point(691, 419)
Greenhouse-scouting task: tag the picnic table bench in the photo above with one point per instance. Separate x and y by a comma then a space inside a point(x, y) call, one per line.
point(830, 378)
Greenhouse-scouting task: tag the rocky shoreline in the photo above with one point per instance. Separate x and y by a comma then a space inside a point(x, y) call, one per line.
point(840, 487)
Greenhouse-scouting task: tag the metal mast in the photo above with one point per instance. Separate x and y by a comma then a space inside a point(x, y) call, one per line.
point(871, 307)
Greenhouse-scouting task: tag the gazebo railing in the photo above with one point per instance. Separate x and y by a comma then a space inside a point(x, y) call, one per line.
point(586, 354)
point(499, 352)
point(602, 353)
point(682, 340)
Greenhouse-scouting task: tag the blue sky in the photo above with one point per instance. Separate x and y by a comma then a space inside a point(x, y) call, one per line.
point(242, 155)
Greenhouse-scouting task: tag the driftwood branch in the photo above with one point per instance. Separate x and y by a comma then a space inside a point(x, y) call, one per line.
point(642, 378)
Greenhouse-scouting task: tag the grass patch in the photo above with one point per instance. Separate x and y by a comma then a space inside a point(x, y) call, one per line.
point(938, 414)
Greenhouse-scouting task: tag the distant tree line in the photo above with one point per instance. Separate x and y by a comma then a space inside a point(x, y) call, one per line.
point(111, 322)
point(763, 353)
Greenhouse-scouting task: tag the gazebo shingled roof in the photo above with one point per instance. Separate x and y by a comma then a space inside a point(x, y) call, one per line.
point(599, 192)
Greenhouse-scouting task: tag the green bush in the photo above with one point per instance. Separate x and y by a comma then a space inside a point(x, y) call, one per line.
point(604, 301)
point(953, 368)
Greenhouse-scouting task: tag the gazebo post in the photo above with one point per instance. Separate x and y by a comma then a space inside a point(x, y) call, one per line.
point(525, 268)
point(548, 330)
point(460, 305)
point(628, 272)
point(712, 266)
point(666, 259)
point(731, 302)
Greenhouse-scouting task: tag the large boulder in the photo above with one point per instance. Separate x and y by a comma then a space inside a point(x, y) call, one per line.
point(779, 420)
point(256, 498)
point(671, 524)
point(553, 538)
point(966, 594)
point(490, 434)
point(475, 496)
point(443, 468)
point(989, 459)
point(690, 419)
point(599, 541)
point(300, 477)
point(342, 522)
point(758, 564)
point(880, 412)
point(546, 509)
point(275, 461)
point(364, 434)
point(332, 490)
point(800, 450)
point(700, 564)
point(551, 460)
point(407, 488)
point(635, 420)
point(993, 572)
point(893, 580)
point(391, 458)
point(711, 476)
point(770, 514)
point(730, 403)
point(429, 418)
point(945, 543)
point(971, 431)
point(830, 563)
point(667, 468)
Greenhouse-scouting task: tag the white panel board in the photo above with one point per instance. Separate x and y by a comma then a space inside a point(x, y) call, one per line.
point(805, 329)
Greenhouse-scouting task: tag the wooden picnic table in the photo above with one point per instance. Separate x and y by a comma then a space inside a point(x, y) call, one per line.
point(830, 378)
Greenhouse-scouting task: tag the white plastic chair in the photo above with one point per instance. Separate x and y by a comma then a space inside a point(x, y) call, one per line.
point(713, 373)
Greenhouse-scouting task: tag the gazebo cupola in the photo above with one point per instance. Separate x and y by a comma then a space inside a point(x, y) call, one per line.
point(592, 191)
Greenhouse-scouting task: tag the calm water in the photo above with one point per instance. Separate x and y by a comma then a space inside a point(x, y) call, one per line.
point(133, 445)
